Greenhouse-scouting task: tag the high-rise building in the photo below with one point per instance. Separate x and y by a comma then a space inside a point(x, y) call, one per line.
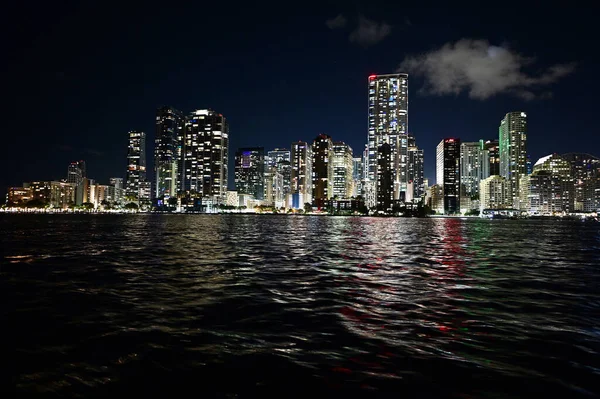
point(494, 193)
point(385, 178)
point(585, 170)
point(136, 163)
point(474, 166)
point(76, 172)
point(301, 178)
point(273, 187)
point(62, 194)
point(435, 198)
point(117, 182)
point(116, 191)
point(493, 149)
point(388, 123)
point(322, 169)
point(529, 165)
point(281, 159)
point(551, 186)
point(448, 173)
point(205, 156)
point(145, 194)
point(513, 151)
point(250, 171)
point(415, 170)
point(343, 170)
point(357, 176)
point(169, 126)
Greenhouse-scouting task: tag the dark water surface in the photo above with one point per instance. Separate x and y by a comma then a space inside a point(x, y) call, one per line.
point(245, 306)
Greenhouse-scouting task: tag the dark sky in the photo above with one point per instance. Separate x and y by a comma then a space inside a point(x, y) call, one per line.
point(77, 76)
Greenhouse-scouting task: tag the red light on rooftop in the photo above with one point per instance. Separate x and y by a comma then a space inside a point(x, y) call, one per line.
point(372, 76)
point(449, 140)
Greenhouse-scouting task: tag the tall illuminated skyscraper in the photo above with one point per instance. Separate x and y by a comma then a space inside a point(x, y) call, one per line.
point(136, 163)
point(76, 172)
point(343, 170)
point(206, 153)
point(385, 178)
point(167, 150)
point(415, 171)
point(448, 173)
point(250, 171)
point(322, 168)
point(493, 149)
point(388, 123)
point(301, 179)
point(474, 166)
point(280, 159)
point(513, 151)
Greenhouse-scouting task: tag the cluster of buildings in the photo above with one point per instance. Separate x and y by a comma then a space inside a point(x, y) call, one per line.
point(492, 177)
point(191, 158)
point(75, 191)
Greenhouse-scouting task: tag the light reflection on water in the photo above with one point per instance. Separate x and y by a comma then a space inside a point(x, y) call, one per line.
point(102, 304)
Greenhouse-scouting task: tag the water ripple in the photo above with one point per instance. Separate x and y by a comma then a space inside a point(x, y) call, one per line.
point(98, 305)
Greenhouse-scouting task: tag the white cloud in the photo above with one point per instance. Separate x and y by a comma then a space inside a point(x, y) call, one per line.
point(482, 70)
point(369, 32)
point(337, 22)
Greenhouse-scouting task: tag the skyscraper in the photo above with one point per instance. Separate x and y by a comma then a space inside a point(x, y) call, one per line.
point(551, 186)
point(513, 151)
point(385, 178)
point(169, 124)
point(474, 166)
point(388, 123)
point(281, 159)
point(75, 175)
point(493, 149)
point(343, 169)
point(76, 172)
point(301, 178)
point(585, 170)
point(136, 164)
point(322, 168)
point(206, 153)
point(494, 193)
point(415, 170)
point(250, 171)
point(357, 175)
point(448, 173)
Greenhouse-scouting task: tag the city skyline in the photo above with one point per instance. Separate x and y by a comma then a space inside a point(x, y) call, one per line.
point(69, 129)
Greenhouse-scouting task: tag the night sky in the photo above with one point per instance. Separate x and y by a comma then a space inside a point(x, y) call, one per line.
point(78, 77)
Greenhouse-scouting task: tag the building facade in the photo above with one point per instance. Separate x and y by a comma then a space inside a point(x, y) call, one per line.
point(167, 148)
point(448, 173)
point(136, 164)
point(415, 171)
point(322, 169)
point(585, 170)
point(493, 149)
point(551, 187)
point(76, 172)
point(385, 178)
point(474, 166)
point(343, 170)
point(281, 159)
point(513, 151)
point(388, 123)
point(250, 171)
point(205, 156)
point(494, 193)
point(301, 176)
